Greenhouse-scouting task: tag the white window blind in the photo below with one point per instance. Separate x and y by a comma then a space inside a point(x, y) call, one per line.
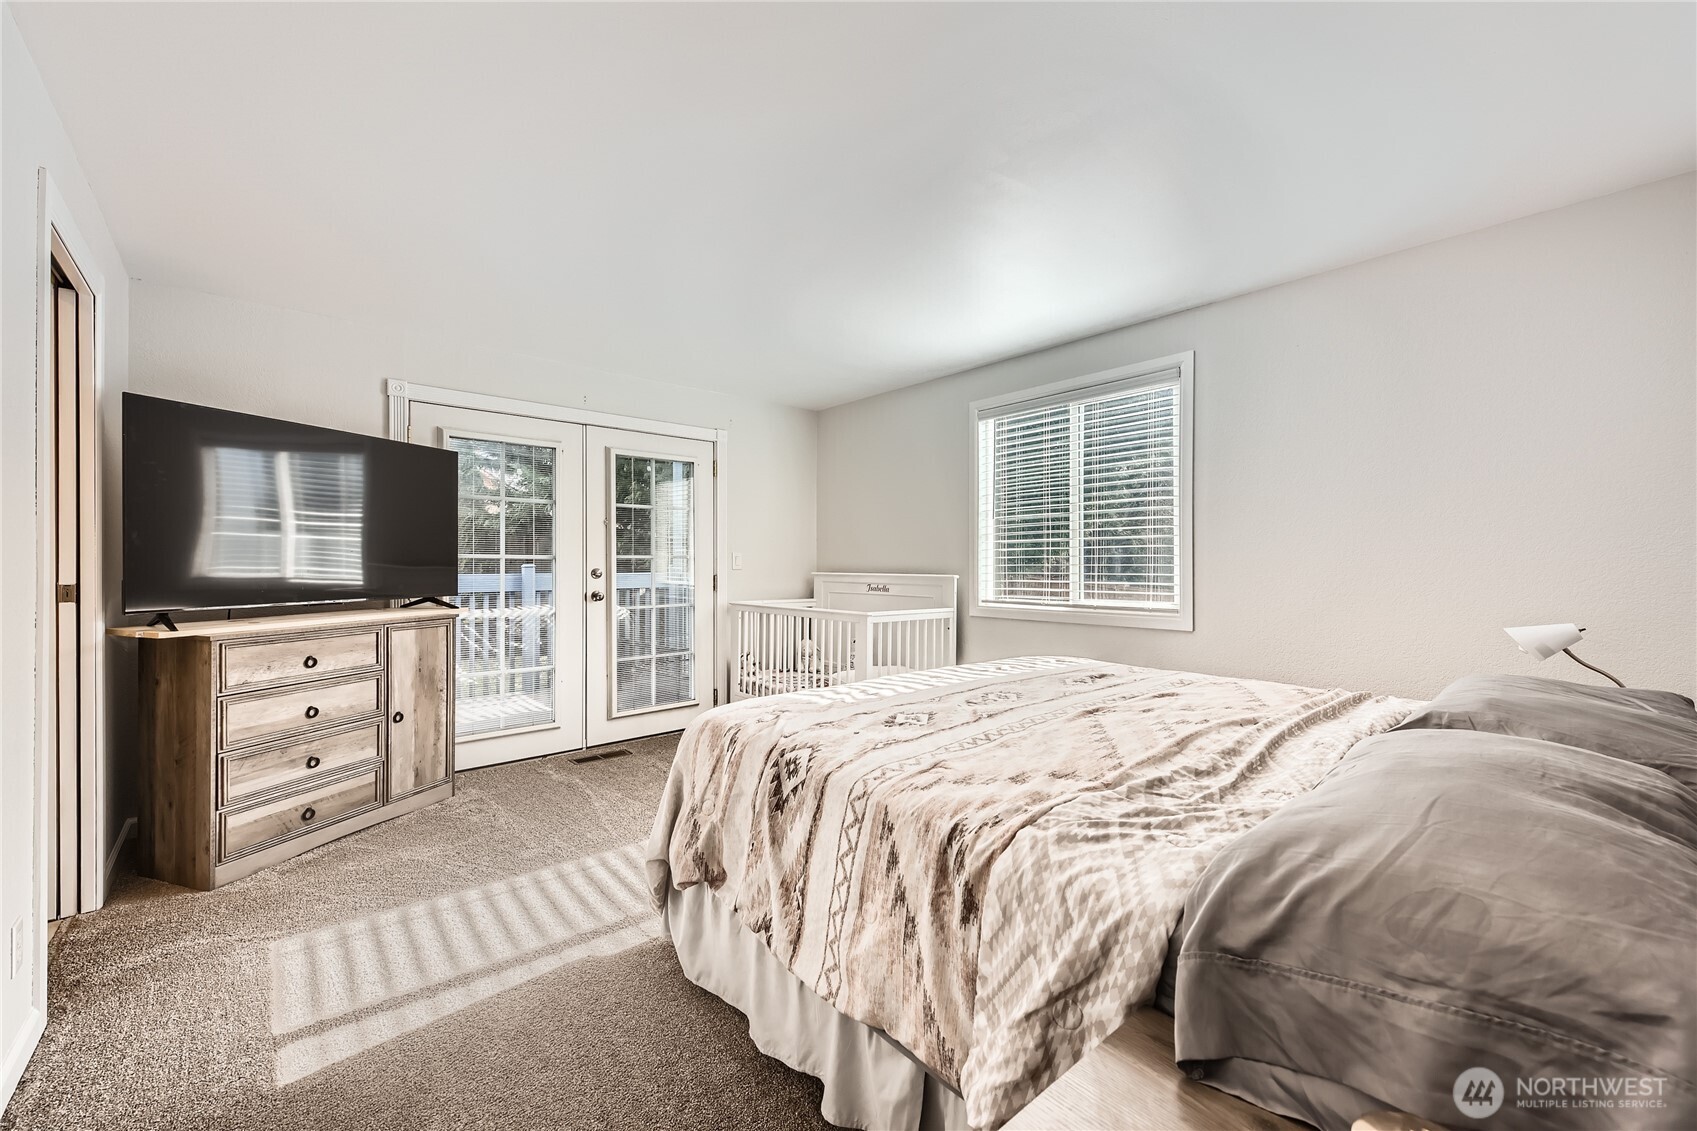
point(1082, 496)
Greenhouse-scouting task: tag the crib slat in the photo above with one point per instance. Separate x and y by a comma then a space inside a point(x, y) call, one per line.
point(785, 646)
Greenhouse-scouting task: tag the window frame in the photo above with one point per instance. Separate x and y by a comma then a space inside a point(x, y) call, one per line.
point(1182, 619)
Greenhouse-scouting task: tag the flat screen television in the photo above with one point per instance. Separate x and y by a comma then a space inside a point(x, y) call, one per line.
point(226, 510)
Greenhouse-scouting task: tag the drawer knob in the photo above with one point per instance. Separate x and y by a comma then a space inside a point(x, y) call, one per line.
point(310, 662)
point(312, 712)
point(312, 762)
point(308, 813)
point(399, 717)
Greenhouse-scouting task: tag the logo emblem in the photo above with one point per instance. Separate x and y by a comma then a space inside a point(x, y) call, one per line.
point(1478, 1093)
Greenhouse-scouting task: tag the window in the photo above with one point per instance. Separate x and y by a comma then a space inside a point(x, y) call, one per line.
point(1084, 499)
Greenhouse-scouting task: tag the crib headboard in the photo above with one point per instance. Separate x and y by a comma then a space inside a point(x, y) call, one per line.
point(885, 592)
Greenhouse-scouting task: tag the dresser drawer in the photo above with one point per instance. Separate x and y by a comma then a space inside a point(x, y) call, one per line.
point(242, 666)
point(253, 718)
point(247, 829)
point(241, 776)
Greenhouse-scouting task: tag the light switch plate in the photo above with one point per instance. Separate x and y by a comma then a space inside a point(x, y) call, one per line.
point(736, 561)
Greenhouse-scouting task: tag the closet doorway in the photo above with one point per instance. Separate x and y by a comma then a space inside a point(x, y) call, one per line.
point(73, 816)
point(586, 576)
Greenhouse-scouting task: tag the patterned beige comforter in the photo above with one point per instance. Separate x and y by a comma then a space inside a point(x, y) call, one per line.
point(985, 861)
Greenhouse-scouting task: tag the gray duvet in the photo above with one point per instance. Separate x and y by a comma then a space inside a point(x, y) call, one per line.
point(1482, 929)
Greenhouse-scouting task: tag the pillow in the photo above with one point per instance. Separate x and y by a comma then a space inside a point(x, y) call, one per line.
point(1653, 728)
point(1445, 903)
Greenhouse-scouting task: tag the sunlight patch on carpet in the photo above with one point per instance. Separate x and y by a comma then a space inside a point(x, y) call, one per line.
point(366, 981)
point(301, 1058)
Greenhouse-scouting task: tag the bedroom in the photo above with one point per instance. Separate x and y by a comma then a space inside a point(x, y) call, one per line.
point(1226, 377)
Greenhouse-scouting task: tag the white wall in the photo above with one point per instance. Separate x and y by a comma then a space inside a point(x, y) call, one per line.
point(238, 355)
point(1393, 460)
point(31, 137)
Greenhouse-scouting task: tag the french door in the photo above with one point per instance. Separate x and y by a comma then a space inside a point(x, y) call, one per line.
point(581, 554)
point(650, 630)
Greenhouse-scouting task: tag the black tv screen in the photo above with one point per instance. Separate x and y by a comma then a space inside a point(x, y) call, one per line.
point(226, 510)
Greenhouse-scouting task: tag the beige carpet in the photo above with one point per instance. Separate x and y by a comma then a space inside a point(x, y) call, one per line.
point(489, 962)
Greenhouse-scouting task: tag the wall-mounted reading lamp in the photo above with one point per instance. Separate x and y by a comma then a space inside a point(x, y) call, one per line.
point(1545, 640)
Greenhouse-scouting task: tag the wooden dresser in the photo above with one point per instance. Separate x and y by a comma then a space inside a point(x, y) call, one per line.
point(265, 737)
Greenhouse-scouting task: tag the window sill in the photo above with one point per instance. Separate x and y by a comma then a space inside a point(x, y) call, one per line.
point(1181, 621)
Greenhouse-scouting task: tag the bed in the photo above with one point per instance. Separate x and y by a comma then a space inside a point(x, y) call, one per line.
point(936, 892)
point(856, 626)
point(830, 862)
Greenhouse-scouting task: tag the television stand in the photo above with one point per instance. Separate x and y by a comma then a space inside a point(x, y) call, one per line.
point(417, 601)
point(264, 737)
point(163, 619)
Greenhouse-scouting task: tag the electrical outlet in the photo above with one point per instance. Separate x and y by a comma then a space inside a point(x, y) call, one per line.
point(15, 947)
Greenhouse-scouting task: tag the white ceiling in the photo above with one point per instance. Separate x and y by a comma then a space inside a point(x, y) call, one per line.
point(812, 203)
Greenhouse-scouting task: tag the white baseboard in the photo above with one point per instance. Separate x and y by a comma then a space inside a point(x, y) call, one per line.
point(125, 833)
point(17, 1057)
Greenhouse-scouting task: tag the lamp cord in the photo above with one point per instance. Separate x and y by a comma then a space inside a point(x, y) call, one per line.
point(1568, 652)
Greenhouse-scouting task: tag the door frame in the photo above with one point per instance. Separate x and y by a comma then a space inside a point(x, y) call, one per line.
point(61, 241)
point(402, 395)
point(58, 239)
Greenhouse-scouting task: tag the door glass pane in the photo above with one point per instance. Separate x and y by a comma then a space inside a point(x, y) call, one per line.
point(506, 633)
point(654, 583)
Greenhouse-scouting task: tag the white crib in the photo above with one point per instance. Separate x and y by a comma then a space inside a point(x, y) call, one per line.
point(856, 626)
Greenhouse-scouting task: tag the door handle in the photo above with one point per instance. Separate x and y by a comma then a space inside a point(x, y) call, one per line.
point(597, 595)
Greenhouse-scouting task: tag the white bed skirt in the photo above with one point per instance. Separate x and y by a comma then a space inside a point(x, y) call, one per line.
point(871, 1082)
